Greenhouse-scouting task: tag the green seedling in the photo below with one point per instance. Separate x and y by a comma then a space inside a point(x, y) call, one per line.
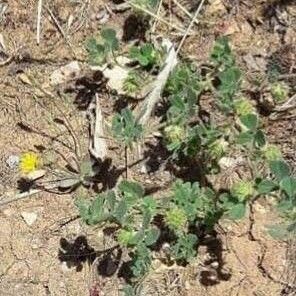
point(250, 133)
point(279, 92)
point(102, 50)
point(146, 55)
point(125, 128)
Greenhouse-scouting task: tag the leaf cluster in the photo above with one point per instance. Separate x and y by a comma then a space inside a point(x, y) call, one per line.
point(125, 128)
point(100, 51)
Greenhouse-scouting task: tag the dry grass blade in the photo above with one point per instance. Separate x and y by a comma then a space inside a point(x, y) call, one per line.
point(186, 11)
point(39, 12)
point(158, 12)
point(191, 25)
point(60, 29)
point(158, 18)
point(290, 104)
point(19, 196)
point(157, 86)
point(97, 145)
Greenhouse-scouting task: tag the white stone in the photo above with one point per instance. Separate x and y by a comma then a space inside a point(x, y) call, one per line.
point(29, 217)
point(65, 73)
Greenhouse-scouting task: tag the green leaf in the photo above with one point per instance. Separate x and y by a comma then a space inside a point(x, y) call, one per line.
point(132, 191)
point(259, 138)
point(146, 55)
point(83, 206)
point(185, 248)
point(109, 36)
point(120, 211)
point(147, 217)
point(266, 186)
point(230, 82)
point(96, 52)
point(125, 128)
point(152, 236)
point(128, 290)
point(288, 184)
point(245, 138)
point(280, 169)
point(221, 53)
point(286, 206)
point(237, 211)
point(141, 260)
point(97, 211)
point(150, 204)
point(250, 121)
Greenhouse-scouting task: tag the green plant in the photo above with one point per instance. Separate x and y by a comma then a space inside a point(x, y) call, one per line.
point(228, 74)
point(192, 209)
point(130, 209)
point(133, 82)
point(125, 128)
point(188, 205)
point(99, 52)
point(279, 92)
point(146, 55)
point(250, 133)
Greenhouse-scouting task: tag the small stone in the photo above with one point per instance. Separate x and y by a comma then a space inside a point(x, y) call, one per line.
point(13, 161)
point(65, 73)
point(29, 217)
point(215, 264)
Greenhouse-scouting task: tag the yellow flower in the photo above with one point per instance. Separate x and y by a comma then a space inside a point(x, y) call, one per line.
point(29, 162)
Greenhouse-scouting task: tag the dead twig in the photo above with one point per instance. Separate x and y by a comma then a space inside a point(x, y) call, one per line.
point(288, 105)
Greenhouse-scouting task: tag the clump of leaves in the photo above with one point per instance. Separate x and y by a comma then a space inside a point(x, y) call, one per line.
point(250, 133)
point(243, 107)
point(125, 127)
point(279, 92)
point(229, 74)
point(101, 50)
point(189, 204)
point(272, 152)
point(134, 82)
point(133, 212)
point(146, 55)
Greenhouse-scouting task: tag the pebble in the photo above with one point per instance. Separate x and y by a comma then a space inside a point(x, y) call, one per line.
point(12, 161)
point(29, 217)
